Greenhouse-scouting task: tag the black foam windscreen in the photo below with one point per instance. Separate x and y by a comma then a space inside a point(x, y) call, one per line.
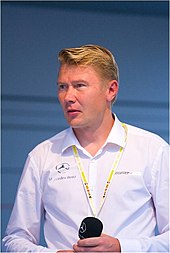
point(90, 227)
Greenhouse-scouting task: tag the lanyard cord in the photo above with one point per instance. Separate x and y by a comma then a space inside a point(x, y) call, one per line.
point(109, 179)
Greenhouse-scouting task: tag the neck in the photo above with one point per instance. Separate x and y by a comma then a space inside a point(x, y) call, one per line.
point(93, 138)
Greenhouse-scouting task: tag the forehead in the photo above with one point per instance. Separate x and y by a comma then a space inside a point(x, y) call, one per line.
point(72, 71)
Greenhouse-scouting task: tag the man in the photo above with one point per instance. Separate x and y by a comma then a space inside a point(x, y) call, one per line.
point(98, 167)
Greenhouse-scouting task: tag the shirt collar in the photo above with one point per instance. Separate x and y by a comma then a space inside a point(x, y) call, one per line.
point(117, 136)
point(70, 140)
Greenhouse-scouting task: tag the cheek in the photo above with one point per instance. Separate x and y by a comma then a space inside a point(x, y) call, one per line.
point(97, 100)
point(94, 105)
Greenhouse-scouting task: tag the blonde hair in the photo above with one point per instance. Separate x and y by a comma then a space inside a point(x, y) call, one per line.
point(96, 56)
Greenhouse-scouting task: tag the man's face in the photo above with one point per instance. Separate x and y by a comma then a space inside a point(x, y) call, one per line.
point(82, 95)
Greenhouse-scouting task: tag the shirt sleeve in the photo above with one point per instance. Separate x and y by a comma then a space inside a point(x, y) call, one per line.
point(23, 230)
point(154, 244)
point(160, 190)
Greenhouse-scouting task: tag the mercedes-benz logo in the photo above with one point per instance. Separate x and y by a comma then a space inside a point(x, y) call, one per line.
point(83, 228)
point(61, 168)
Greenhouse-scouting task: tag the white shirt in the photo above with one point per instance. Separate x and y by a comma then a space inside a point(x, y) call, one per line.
point(136, 203)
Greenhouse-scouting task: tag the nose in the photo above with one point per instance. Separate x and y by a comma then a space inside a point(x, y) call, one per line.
point(70, 95)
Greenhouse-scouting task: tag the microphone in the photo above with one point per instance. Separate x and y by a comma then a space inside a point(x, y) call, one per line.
point(90, 227)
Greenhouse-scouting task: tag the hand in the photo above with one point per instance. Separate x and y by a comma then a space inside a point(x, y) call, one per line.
point(104, 243)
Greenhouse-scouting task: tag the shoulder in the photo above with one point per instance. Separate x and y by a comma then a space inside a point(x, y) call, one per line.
point(145, 137)
point(148, 147)
point(51, 144)
point(44, 155)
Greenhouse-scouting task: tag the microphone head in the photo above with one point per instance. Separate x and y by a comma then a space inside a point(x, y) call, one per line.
point(90, 227)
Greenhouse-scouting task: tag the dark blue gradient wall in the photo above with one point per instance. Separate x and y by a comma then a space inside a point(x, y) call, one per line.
point(32, 35)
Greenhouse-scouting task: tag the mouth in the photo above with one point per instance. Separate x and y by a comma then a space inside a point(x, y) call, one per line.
point(73, 111)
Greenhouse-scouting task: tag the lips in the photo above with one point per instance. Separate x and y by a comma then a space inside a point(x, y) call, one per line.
point(72, 111)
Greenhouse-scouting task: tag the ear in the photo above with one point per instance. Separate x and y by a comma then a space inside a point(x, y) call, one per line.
point(112, 90)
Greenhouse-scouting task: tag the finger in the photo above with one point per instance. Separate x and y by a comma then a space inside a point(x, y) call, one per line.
point(89, 242)
point(76, 248)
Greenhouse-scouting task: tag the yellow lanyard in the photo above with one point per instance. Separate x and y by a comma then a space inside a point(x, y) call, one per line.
point(84, 178)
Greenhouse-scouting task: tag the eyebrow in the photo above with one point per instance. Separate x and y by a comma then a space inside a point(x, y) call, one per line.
point(74, 82)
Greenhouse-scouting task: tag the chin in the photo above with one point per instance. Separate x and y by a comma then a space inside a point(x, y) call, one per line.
point(76, 125)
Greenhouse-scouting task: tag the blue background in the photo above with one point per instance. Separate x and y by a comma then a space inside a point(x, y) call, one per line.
point(32, 35)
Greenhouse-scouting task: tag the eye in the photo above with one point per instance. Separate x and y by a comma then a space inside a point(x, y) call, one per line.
point(62, 87)
point(80, 85)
